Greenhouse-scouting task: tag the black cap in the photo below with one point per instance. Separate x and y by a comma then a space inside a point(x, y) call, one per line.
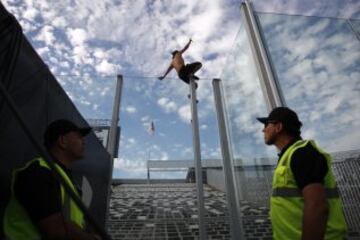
point(61, 127)
point(284, 115)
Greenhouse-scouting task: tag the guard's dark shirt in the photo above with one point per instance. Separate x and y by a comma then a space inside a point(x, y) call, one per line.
point(38, 191)
point(307, 165)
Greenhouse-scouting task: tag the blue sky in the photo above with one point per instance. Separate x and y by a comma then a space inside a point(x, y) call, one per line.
point(87, 43)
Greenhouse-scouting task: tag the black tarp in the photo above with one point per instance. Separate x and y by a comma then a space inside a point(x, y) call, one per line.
point(40, 100)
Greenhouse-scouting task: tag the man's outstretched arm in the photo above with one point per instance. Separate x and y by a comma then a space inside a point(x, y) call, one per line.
point(166, 73)
point(186, 46)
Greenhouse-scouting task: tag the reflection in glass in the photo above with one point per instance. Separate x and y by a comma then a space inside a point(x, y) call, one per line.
point(252, 160)
point(244, 101)
point(317, 61)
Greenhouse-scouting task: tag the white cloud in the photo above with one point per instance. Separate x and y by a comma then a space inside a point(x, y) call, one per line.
point(43, 50)
point(122, 163)
point(100, 53)
point(105, 67)
point(209, 13)
point(46, 35)
point(77, 36)
point(185, 113)
point(80, 54)
point(59, 22)
point(203, 127)
point(130, 109)
point(167, 105)
point(136, 37)
point(145, 119)
point(30, 13)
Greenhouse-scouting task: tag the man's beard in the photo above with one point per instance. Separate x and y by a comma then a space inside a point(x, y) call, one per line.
point(270, 141)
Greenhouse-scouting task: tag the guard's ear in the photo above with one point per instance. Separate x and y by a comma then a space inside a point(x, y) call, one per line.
point(61, 141)
point(279, 127)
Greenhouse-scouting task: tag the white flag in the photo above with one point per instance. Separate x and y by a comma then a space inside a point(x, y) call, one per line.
point(151, 129)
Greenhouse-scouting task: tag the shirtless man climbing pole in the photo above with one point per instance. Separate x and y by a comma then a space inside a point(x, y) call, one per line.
point(184, 71)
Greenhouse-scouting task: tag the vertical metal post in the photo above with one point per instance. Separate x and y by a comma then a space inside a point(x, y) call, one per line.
point(268, 81)
point(148, 172)
point(233, 204)
point(112, 134)
point(197, 159)
point(115, 117)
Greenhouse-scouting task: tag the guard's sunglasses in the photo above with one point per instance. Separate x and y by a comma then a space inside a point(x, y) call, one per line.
point(268, 122)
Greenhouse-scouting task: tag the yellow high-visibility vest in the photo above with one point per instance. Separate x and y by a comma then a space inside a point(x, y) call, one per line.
point(287, 202)
point(17, 223)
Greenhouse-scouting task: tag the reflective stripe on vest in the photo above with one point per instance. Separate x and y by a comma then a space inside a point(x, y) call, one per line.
point(66, 208)
point(295, 192)
point(70, 210)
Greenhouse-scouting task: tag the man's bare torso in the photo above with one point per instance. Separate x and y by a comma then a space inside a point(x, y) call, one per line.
point(177, 62)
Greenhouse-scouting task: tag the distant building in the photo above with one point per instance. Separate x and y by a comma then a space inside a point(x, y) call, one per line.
point(101, 128)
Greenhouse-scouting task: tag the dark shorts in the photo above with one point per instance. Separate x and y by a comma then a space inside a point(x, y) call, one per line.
point(187, 70)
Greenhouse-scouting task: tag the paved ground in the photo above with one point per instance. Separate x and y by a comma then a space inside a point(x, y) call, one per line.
point(168, 211)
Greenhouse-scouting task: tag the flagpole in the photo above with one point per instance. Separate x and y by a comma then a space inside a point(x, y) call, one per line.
point(147, 165)
point(151, 132)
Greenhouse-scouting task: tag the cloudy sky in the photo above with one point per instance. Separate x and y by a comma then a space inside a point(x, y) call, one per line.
point(87, 43)
point(317, 63)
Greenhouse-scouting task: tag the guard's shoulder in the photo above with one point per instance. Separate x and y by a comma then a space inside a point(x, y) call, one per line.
point(34, 170)
point(308, 152)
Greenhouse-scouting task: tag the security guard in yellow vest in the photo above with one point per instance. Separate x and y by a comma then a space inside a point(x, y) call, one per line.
point(305, 202)
point(39, 207)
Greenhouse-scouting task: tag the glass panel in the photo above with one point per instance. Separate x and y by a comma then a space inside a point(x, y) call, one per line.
point(42, 100)
point(317, 61)
point(324, 8)
point(156, 133)
point(92, 96)
point(155, 119)
point(252, 159)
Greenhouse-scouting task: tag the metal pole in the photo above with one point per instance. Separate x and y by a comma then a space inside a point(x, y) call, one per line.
point(112, 135)
point(148, 170)
point(148, 173)
point(115, 118)
point(268, 82)
point(197, 159)
point(233, 205)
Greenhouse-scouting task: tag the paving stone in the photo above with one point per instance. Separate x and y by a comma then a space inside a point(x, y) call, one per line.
point(169, 211)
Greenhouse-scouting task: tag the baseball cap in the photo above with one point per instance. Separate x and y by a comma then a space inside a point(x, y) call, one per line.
point(61, 127)
point(284, 115)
